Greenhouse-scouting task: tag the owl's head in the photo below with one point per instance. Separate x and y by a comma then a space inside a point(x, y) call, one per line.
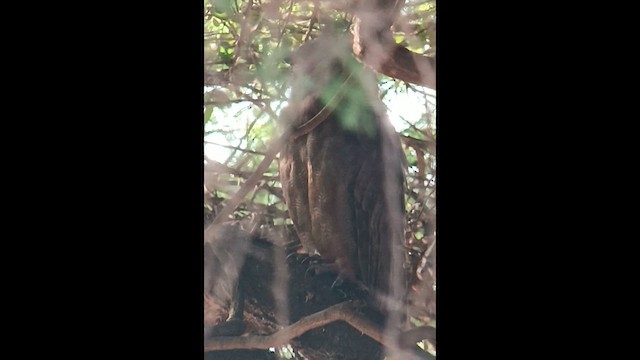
point(321, 69)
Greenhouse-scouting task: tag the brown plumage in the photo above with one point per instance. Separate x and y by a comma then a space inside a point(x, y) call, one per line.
point(343, 182)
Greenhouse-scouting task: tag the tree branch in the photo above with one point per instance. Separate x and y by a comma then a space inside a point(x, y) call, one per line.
point(282, 337)
point(410, 67)
point(402, 64)
point(251, 182)
point(341, 312)
point(374, 44)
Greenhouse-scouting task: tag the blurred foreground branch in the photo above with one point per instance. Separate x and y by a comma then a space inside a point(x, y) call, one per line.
point(345, 311)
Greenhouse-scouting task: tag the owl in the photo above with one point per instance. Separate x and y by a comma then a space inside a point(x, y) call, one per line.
point(343, 182)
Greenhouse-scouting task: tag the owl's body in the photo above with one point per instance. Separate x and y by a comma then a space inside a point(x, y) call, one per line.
point(343, 182)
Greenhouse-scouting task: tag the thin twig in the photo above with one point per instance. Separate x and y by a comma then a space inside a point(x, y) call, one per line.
point(232, 30)
point(257, 102)
point(264, 106)
point(413, 126)
point(286, 22)
point(430, 249)
point(246, 136)
point(235, 148)
point(218, 167)
point(313, 20)
point(418, 144)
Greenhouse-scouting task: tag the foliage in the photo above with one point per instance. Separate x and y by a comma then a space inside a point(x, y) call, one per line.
point(246, 48)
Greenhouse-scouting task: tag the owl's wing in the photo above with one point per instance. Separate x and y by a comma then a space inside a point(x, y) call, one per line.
point(330, 173)
point(378, 197)
point(293, 177)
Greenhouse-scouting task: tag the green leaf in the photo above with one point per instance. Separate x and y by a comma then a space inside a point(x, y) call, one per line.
point(223, 7)
point(208, 110)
